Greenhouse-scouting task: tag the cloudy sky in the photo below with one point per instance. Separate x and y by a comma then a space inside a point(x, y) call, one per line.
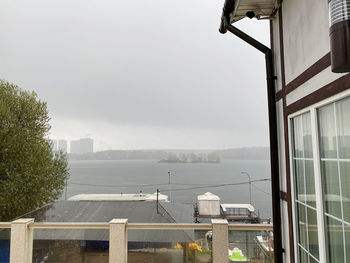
point(138, 74)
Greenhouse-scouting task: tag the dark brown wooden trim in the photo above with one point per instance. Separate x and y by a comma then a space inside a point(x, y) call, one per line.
point(280, 24)
point(309, 73)
point(333, 88)
point(279, 95)
point(286, 142)
point(284, 196)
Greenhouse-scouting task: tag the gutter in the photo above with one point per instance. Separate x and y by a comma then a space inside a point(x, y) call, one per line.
point(274, 162)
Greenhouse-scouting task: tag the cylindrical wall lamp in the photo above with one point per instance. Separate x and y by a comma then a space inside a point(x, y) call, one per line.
point(339, 32)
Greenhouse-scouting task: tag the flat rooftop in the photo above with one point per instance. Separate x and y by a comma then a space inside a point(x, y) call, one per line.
point(119, 197)
point(105, 211)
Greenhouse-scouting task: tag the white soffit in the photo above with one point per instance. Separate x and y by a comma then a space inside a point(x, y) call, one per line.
point(261, 8)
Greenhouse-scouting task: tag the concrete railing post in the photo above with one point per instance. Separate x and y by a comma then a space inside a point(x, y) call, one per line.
point(220, 240)
point(21, 246)
point(118, 241)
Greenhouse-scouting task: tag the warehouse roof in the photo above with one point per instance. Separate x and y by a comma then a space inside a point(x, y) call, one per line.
point(104, 211)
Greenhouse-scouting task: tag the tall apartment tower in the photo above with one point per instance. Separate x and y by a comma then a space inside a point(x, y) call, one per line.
point(54, 145)
point(85, 145)
point(75, 146)
point(62, 145)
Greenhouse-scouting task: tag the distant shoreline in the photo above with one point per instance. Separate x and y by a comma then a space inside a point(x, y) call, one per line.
point(166, 161)
point(246, 153)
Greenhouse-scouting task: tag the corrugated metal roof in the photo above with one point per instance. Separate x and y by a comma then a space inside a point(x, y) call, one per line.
point(180, 213)
point(104, 211)
point(261, 8)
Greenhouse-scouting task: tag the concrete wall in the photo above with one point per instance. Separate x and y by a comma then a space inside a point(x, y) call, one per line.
point(306, 34)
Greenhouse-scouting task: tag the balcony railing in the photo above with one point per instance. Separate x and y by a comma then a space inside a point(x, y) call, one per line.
point(221, 236)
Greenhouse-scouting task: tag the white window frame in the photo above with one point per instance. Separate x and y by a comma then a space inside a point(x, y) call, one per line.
point(317, 173)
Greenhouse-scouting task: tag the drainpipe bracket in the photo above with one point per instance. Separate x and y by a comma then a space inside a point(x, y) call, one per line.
point(272, 77)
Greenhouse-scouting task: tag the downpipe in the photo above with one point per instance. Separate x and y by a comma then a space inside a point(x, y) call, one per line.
point(270, 78)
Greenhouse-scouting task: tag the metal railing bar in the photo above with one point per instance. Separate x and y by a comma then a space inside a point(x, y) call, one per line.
point(69, 225)
point(251, 227)
point(149, 226)
point(175, 226)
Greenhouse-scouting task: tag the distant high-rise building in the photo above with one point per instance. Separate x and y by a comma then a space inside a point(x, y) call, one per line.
point(85, 145)
point(62, 145)
point(75, 146)
point(54, 145)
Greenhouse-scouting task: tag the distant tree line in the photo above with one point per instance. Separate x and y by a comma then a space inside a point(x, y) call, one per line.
point(246, 153)
point(121, 155)
point(191, 158)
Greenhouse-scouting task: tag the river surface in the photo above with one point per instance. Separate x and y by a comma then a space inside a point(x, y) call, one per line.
point(133, 176)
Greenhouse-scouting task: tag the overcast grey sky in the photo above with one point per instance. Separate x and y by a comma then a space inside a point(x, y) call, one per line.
point(138, 74)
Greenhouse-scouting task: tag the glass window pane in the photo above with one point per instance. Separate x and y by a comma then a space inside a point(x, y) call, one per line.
point(303, 256)
point(304, 187)
point(307, 138)
point(298, 137)
point(347, 242)
point(247, 246)
point(345, 185)
point(312, 260)
point(146, 246)
point(312, 232)
point(327, 132)
point(330, 180)
point(74, 245)
point(335, 244)
point(5, 236)
point(343, 127)
point(302, 226)
point(299, 178)
point(310, 183)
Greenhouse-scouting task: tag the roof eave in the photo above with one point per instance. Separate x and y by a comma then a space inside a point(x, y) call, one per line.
point(266, 10)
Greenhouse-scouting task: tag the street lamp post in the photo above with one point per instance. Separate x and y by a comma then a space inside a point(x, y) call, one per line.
point(169, 188)
point(250, 187)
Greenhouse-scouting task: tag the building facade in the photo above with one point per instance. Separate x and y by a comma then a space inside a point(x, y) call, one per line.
point(75, 146)
point(62, 145)
point(59, 145)
point(84, 145)
point(54, 145)
point(310, 45)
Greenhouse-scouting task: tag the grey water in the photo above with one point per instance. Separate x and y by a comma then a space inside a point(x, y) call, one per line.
point(133, 176)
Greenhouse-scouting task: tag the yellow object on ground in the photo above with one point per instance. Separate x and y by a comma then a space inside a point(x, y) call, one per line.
point(178, 246)
point(194, 246)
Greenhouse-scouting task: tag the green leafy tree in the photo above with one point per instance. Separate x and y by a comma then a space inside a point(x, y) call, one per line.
point(31, 173)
